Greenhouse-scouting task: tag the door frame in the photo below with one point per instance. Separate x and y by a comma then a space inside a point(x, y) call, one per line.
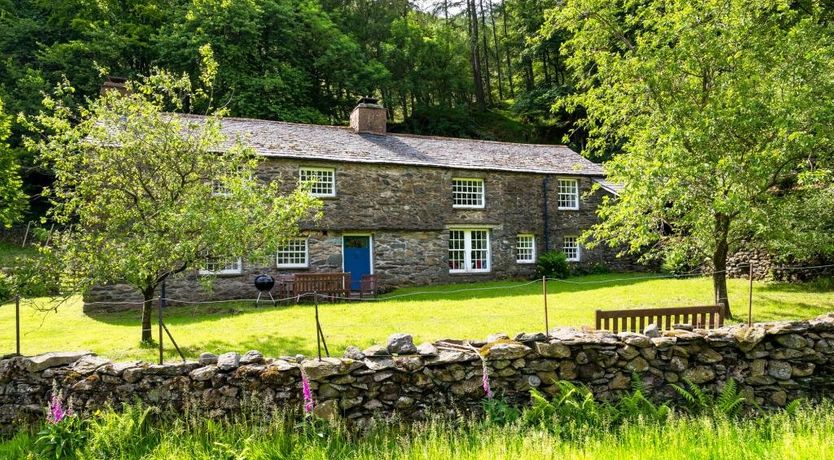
point(370, 248)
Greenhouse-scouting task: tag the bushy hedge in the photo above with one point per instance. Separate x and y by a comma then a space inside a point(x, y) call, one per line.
point(553, 264)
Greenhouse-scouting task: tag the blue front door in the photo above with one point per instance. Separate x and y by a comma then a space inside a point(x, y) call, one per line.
point(357, 254)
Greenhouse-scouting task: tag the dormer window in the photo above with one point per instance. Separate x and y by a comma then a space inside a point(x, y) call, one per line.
point(568, 194)
point(468, 193)
point(323, 180)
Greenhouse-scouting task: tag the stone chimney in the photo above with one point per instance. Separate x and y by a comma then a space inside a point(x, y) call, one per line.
point(369, 117)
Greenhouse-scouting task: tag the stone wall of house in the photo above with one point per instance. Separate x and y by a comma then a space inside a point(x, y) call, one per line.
point(773, 364)
point(408, 212)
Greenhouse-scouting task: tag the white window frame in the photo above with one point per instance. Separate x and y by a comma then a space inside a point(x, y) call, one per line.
point(219, 189)
point(332, 171)
point(532, 248)
point(470, 181)
point(467, 250)
point(236, 267)
point(576, 246)
point(569, 196)
point(305, 264)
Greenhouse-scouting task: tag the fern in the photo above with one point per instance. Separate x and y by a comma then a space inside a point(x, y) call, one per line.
point(696, 400)
point(729, 401)
point(793, 407)
point(637, 405)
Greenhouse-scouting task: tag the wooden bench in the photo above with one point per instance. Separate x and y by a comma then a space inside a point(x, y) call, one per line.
point(706, 317)
point(330, 284)
point(368, 286)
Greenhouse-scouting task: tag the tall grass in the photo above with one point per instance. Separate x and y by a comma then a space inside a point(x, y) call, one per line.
point(806, 433)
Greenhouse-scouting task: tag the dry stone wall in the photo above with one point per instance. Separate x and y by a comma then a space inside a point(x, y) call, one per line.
point(773, 363)
point(765, 266)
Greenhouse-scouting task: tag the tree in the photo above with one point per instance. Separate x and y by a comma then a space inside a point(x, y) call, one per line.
point(723, 109)
point(136, 187)
point(12, 198)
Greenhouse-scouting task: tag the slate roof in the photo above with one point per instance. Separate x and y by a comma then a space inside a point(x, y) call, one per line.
point(335, 143)
point(611, 187)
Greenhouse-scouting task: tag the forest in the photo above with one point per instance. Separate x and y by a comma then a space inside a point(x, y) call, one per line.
point(473, 68)
point(436, 66)
point(736, 92)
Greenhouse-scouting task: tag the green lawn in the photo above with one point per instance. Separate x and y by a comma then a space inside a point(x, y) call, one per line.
point(9, 252)
point(445, 312)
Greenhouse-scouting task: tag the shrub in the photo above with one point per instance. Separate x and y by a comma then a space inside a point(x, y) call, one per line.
point(678, 262)
point(553, 264)
point(6, 287)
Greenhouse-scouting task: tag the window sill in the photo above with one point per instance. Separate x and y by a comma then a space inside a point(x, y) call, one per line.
point(220, 274)
point(478, 272)
point(525, 262)
point(459, 206)
point(568, 209)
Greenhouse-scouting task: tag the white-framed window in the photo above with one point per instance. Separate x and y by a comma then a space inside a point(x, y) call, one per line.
point(218, 188)
point(294, 254)
point(570, 246)
point(525, 248)
point(469, 251)
point(323, 180)
point(222, 266)
point(568, 194)
point(468, 193)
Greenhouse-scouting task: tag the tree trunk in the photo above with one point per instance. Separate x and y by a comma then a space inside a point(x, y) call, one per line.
point(497, 52)
point(719, 262)
point(147, 311)
point(484, 34)
point(476, 59)
point(507, 49)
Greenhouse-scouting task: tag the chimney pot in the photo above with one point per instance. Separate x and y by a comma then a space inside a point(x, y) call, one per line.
point(369, 116)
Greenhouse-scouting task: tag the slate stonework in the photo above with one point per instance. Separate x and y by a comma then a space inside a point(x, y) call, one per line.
point(773, 363)
point(408, 212)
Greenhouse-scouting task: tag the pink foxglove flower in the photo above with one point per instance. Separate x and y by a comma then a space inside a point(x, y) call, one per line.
point(56, 411)
point(485, 372)
point(308, 394)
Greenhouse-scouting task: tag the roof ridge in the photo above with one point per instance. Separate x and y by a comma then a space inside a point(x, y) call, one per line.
point(395, 134)
point(486, 141)
point(263, 120)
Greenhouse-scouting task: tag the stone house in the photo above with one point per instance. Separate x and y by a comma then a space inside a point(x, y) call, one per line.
point(414, 209)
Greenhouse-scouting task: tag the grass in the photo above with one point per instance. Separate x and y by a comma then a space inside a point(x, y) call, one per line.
point(9, 252)
point(807, 433)
point(452, 311)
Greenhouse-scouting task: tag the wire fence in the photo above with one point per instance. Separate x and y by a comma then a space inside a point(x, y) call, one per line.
point(163, 301)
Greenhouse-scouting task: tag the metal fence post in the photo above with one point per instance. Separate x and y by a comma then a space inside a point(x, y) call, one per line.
point(17, 323)
point(161, 302)
point(750, 299)
point(318, 330)
point(546, 319)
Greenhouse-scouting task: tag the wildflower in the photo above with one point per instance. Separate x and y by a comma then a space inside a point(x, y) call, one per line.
point(485, 373)
point(305, 390)
point(56, 411)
